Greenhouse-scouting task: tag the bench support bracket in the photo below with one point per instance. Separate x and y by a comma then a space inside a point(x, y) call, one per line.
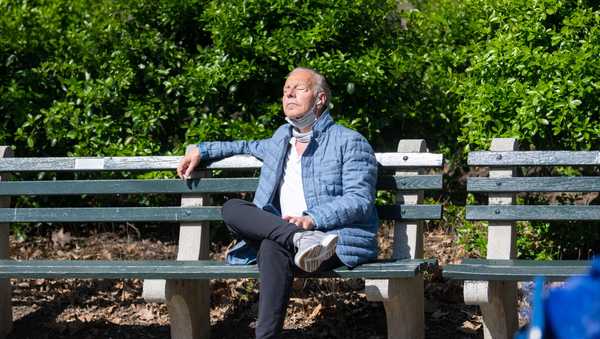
point(498, 299)
point(403, 303)
point(188, 301)
point(403, 299)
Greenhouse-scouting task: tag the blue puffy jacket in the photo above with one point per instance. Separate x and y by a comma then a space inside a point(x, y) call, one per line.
point(339, 172)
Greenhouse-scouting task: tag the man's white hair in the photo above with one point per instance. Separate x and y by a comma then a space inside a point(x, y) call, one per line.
point(320, 84)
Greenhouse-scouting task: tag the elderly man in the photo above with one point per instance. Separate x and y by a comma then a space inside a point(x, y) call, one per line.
point(314, 206)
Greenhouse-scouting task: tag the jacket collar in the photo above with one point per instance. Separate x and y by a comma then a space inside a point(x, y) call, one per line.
point(323, 123)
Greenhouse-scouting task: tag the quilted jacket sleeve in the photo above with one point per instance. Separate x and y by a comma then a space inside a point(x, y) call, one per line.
point(213, 150)
point(359, 176)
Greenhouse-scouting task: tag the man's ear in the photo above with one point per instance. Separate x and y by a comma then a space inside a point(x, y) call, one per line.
point(321, 99)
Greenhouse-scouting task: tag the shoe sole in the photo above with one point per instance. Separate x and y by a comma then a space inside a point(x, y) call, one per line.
point(314, 256)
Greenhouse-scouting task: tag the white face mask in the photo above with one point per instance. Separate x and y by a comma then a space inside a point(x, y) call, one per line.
point(307, 120)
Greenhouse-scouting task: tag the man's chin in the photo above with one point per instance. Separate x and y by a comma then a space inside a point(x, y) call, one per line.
point(293, 115)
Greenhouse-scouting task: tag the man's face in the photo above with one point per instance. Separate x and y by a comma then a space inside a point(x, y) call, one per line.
point(298, 94)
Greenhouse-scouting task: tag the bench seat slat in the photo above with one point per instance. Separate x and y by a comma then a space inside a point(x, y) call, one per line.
point(534, 158)
point(515, 270)
point(175, 186)
point(534, 184)
point(203, 269)
point(176, 214)
point(532, 212)
point(151, 163)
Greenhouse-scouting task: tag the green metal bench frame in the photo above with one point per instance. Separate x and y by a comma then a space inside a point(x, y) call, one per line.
point(492, 283)
point(183, 283)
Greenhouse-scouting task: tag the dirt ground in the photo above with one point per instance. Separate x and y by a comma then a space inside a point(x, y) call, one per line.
point(326, 308)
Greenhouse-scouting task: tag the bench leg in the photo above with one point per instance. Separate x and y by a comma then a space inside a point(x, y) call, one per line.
point(154, 290)
point(498, 303)
point(404, 303)
point(500, 319)
point(188, 302)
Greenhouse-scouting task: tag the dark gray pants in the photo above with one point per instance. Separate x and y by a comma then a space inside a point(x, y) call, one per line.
point(273, 239)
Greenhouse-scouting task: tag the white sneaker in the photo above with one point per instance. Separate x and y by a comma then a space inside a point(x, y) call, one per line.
point(314, 247)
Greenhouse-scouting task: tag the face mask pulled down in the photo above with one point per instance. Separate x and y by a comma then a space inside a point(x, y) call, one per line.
point(307, 120)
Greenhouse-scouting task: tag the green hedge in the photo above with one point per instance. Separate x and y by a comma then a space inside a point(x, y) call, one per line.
point(121, 78)
point(535, 77)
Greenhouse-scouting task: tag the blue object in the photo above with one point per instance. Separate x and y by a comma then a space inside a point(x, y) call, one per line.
point(241, 254)
point(571, 311)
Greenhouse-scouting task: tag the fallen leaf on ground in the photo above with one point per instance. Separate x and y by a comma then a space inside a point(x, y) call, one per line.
point(146, 314)
point(61, 238)
point(469, 327)
point(315, 312)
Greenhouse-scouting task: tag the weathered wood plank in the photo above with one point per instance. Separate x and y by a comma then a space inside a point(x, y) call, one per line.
point(514, 270)
point(92, 164)
point(202, 269)
point(387, 160)
point(533, 212)
point(176, 186)
point(110, 214)
point(165, 186)
point(535, 158)
point(534, 184)
point(176, 214)
point(410, 212)
point(413, 159)
point(410, 182)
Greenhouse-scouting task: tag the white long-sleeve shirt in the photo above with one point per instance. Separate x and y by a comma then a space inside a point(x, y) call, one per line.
point(291, 190)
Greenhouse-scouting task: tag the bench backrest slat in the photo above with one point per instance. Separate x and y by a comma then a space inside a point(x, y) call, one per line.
point(512, 159)
point(176, 214)
point(534, 184)
point(410, 212)
point(110, 214)
point(386, 160)
point(176, 186)
point(532, 212)
point(534, 158)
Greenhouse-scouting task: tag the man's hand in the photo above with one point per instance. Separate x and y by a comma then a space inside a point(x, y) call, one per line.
point(304, 222)
point(188, 164)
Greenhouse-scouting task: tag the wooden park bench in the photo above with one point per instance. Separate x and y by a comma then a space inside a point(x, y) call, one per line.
point(183, 283)
point(491, 283)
